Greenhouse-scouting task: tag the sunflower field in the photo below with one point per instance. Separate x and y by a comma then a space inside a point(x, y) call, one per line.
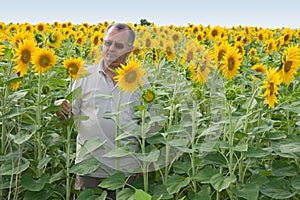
point(223, 109)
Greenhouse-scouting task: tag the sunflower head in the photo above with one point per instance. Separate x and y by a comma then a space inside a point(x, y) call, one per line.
point(43, 59)
point(130, 76)
point(148, 95)
point(75, 67)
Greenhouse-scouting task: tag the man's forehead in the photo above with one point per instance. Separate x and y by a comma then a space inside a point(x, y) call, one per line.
point(114, 32)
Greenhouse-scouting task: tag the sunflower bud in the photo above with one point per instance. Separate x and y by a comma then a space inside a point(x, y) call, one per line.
point(148, 95)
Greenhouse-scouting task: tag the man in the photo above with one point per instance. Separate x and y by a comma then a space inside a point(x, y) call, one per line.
point(117, 45)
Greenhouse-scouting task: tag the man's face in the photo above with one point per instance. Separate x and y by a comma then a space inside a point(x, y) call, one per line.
point(116, 47)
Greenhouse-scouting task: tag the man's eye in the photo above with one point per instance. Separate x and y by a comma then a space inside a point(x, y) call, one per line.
point(119, 46)
point(108, 43)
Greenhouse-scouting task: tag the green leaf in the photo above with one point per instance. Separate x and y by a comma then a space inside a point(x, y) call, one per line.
point(43, 194)
point(176, 182)
point(150, 157)
point(160, 192)
point(249, 192)
point(90, 146)
point(12, 113)
point(126, 193)
point(215, 159)
point(21, 138)
point(293, 147)
point(85, 167)
point(117, 153)
point(31, 184)
point(205, 174)
point(220, 183)
point(281, 168)
point(277, 189)
point(44, 161)
point(257, 152)
point(141, 195)
point(180, 167)
point(88, 194)
point(57, 176)
point(296, 182)
point(75, 94)
point(104, 96)
point(241, 147)
point(114, 182)
point(10, 167)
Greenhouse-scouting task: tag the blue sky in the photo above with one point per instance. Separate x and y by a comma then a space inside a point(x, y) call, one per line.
point(262, 13)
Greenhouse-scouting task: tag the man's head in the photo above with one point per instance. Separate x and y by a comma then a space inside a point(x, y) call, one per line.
point(117, 44)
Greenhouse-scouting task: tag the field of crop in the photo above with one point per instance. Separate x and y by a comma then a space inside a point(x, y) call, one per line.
point(224, 106)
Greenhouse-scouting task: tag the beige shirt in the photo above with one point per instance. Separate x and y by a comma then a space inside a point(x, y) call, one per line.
point(99, 102)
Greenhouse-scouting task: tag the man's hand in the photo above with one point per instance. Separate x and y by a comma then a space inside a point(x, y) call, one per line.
point(65, 109)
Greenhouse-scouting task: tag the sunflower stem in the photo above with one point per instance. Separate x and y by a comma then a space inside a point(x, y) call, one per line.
point(143, 148)
point(38, 149)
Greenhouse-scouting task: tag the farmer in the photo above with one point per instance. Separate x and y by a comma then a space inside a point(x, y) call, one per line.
point(117, 45)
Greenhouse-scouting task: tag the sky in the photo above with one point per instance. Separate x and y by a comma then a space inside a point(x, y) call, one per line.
point(224, 13)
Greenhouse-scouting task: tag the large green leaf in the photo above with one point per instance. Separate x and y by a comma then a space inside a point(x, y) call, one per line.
point(117, 153)
point(205, 174)
point(10, 167)
point(114, 182)
point(126, 193)
point(254, 152)
point(75, 94)
point(85, 167)
point(219, 182)
point(141, 195)
point(281, 168)
point(90, 146)
point(160, 191)
point(250, 191)
point(176, 182)
point(296, 182)
point(31, 184)
point(215, 159)
point(293, 147)
point(88, 194)
point(150, 157)
point(43, 194)
point(277, 189)
point(21, 138)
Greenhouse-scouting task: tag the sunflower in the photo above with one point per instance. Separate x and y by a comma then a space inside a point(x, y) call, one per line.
point(176, 36)
point(96, 39)
point(75, 67)
point(24, 53)
point(220, 50)
point(169, 50)
point(240, 47)
point(43, 59)
point(259, 68)
point(270, 45)
point(148, 95)
point(147, 38)
point(231, 63)
point(2, 50)
point(15, 85)
point(20, 36)
point(199, 72)
point(189, 52)
point(94, 56)
point(290, 63)
point(130, 76)
point(252, 52)
point(55, 38)
point(271, 87)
